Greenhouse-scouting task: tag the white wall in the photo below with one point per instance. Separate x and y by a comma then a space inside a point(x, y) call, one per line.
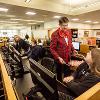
point(54, 24)
point(96, 26)
point(81, 33)
point(79, 25)
point(24, 31)
point(40, 33)
point(51, 24)
point(96, 29)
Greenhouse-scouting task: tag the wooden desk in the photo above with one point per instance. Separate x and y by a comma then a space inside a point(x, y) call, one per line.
point(7, 82)
point(91, 94)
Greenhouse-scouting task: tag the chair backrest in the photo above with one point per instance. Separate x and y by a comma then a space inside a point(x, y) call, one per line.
point(48, 52)
point(48, 63)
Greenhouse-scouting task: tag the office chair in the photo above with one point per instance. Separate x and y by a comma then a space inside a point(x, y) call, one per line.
point(48, 63)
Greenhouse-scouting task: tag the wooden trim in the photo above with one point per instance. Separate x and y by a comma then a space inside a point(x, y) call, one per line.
point(7, 82)
point(91, 94)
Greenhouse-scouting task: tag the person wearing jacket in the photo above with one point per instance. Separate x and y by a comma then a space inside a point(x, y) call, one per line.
point(86, 75)
point(61, 47)
point(21, 44)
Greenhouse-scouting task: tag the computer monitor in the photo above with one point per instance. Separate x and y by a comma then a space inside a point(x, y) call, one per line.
point(16, 56)
point(45, 79)
point(76, 45)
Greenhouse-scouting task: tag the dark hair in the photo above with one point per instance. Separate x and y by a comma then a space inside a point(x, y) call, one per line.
point(35, 42)
point(63, 20)
point(39, 40)
point(26, 36)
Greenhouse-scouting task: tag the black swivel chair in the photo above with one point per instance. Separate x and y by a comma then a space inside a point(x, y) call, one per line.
point(48, 63)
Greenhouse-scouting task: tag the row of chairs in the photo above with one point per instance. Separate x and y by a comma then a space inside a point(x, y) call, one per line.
point(14, 68)
point(2, 90)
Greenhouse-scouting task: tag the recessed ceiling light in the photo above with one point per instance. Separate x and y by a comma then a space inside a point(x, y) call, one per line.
point(31, 23)
point(15, 19)
point(30, 13)
point(88, 21)
point(27, 1)
point(7, 22)
point(28, 20)
point(12, 16)
point(4, 21)
point(75, 19)
point(95, 22)
point(3, 9)
point(40, 21)
point(57, 17)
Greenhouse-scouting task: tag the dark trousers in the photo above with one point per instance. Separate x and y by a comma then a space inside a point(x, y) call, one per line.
point(62, 70)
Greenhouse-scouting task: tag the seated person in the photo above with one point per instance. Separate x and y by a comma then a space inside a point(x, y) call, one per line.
point(86, 75)
point(21, 44)
point(36, 51)
point(26, 38)
point(40, 42)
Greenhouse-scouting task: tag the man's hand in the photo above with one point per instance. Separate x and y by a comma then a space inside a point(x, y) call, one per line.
point(75, 52)
point(61, 60)
point(75, 63)
point(68, 79)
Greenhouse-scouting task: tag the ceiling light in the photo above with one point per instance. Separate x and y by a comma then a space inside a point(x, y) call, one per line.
point(4, 21)
point(28, 20)
point(75, 19)
point(27, 1)
point(73, 2)
point(30, 13)
point(40, 21)
point(9, 15)
point(57, 17)
point(15, 19)
point(31, 23)
point(3, 9)
point(7, 22)
point(88, 21)
point(95, 22)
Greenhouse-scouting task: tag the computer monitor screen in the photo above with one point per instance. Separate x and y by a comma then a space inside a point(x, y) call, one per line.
point(17, 57)
point(45, 80)
point(76, 45)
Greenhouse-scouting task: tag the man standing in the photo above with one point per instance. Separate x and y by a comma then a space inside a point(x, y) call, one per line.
point(61, 47)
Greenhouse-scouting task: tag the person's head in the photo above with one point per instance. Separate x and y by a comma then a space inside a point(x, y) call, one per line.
point(34, 42)
point(63, 23)
point(26, 37)
point(39, 40)
point(93, 59)
point(17, 38)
